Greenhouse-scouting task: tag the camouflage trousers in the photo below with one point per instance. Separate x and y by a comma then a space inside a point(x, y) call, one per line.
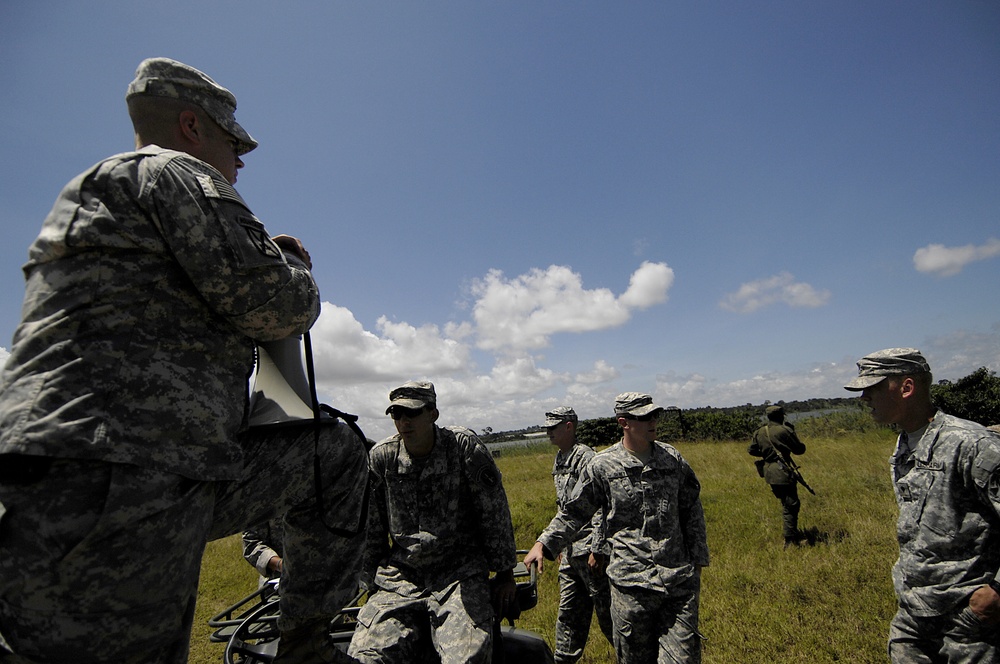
point(788, 494)
point(582, 593)
point(457, 622)
point(653, 627)
point(956, 637)
point(99, 562)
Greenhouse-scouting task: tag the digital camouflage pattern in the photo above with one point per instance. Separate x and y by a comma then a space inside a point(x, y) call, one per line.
point(262, 543)
point(654, 522)
point(641, 635)
point(146, 289)
point(655, 527)
point(438, 526)
point(582, 591)
point(949, 516)
point(102, 560)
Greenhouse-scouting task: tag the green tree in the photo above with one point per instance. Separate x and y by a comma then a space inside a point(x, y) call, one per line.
point(975, 397)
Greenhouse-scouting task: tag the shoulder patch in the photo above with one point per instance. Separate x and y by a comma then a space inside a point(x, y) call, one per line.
point(207, 185)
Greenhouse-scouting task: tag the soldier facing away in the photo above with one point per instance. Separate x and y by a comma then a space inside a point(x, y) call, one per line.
point(775, 442)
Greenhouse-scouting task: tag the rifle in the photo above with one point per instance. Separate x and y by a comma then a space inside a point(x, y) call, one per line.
point(792, 469)
point(786, 463)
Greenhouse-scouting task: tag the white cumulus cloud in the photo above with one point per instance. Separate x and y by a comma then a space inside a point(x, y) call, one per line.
point(522, 313)
point(949, 261)
point(779, 289)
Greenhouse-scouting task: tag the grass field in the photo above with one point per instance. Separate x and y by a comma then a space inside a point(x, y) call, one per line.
point(831, 602)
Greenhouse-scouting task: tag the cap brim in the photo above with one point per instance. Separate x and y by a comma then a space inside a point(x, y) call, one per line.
point(406, 403)
point(642, 410)
point(862, 382)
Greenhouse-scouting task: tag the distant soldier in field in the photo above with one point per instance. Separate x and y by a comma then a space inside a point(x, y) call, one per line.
point(775, 442)
point(583, 585)
point(655, 527)
point(947, 485)
point(440, 523)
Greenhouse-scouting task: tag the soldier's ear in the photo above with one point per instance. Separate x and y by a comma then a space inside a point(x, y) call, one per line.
point(434, 415)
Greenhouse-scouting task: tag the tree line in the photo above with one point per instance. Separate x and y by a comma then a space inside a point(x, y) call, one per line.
point(975, 397)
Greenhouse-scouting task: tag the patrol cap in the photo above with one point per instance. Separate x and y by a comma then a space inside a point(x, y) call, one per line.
point(414, 394)
point(773, 412)
point(873, 368)
point(557, 416)
point(635, 403)
point(163, 77)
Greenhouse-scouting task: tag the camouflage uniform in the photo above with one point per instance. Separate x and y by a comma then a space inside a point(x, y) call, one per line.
point(582, 591)
point(438, 526)
point(123, 402)
point(260, 544)
point(948, 489)
point(655, 527)
point(770, 442)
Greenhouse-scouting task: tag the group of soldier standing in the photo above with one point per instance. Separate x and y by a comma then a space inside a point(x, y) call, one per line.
point(124, 449)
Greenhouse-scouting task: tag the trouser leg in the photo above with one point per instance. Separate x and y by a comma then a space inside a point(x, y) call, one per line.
point(573, 620)
point(789, 496)
point(462, 622)
point(949, 639)
point(322, 544)
point(99, 562)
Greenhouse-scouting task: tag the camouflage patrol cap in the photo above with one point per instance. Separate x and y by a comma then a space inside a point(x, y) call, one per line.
point(163, 77)
point(414, 394)
point(635, 403)
point(774, 410)
point(557, 416)
point(873, 368)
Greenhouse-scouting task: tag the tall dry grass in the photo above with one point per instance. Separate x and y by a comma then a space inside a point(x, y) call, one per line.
point(830, 602)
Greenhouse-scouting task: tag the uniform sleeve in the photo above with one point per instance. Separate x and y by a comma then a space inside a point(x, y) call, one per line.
point(258, 550)
point(496, 529)
point(754, 448)
point(377, 539)
point(586, 501)
point(227, 253)
point(692, 517)
point(790, 440)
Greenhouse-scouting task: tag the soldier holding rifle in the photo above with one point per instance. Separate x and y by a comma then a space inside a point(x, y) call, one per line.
point(775, 442)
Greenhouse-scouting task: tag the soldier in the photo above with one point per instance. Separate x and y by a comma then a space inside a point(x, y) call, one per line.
point(775, 441)
point(583, 585)
point(655, 528)
point(439, 524)
point(944, 471)
point(122, 411)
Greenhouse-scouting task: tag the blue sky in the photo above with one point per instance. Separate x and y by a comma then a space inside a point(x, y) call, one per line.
point(545, 203)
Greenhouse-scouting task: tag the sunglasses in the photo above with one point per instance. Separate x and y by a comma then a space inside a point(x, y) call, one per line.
point(399, 412)
point(655, 415)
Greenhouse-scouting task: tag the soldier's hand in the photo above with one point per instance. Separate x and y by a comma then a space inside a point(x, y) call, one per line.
point(535, 555)
point(985, 604)
point(293, 245)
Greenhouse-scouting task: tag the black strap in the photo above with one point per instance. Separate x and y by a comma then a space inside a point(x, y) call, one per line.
point(352, 422)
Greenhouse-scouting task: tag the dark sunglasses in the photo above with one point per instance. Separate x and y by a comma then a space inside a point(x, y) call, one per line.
point(655, 415)
point(399, 412)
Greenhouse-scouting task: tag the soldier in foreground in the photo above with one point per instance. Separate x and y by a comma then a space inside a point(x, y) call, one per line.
point(655, 527)
point(776, 442)
point(947, 484)
point(122, 411)
point(583, 584)
point(439, 525)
